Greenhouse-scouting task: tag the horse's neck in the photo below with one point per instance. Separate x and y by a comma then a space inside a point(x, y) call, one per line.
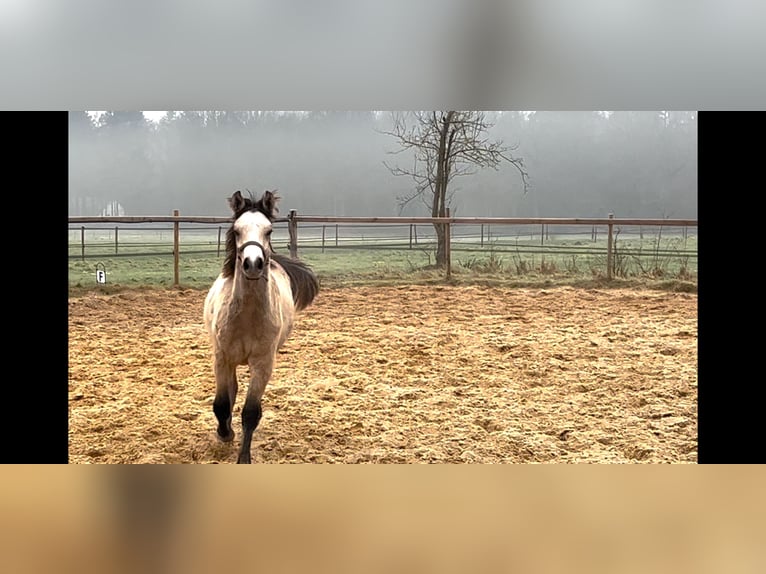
point(252, 295)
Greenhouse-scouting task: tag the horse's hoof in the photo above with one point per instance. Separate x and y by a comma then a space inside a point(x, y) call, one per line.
point(225, 438)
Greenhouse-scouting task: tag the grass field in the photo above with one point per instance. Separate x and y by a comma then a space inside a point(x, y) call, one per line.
point(146, 260)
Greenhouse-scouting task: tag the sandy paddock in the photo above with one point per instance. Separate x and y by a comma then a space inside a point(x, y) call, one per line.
point(404, 374)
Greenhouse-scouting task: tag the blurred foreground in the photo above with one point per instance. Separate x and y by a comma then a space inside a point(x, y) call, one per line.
point(383, 519)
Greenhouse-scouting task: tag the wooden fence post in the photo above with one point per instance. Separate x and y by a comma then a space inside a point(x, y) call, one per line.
point(410, 235)
point(323, 237)
point(82, 242)
point(609, 254)
point(116, 229)
point(218, 253)
point(292, 229)
point(176, 233)
point(482, 235)
point(336, 235)
point(448, 246)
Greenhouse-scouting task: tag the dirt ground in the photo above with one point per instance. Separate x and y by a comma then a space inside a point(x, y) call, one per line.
point(409, 374)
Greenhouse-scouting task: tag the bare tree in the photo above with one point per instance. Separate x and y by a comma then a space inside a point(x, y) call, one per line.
point(446, 145)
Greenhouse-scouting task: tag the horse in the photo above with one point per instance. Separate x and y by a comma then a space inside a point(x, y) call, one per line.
point(249, 311)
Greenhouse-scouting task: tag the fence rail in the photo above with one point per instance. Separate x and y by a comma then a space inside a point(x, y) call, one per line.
point(455, 242)
point(74, 219)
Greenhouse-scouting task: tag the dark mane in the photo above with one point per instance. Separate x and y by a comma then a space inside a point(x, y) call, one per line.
point(231, 253)
point(267, 204)
point(303, 282)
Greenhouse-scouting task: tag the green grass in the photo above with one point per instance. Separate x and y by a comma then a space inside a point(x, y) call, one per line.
point(155, 270)
point(650, 263)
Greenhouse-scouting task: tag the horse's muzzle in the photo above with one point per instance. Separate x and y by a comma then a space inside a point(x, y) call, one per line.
point(254, 259)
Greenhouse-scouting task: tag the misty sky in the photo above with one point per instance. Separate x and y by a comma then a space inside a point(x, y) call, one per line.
point(558, 54)
point(580, 164)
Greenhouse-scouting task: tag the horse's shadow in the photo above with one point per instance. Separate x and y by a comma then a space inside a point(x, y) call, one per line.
point(208, 449)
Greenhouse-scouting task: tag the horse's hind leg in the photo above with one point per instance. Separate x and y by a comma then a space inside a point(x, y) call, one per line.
point(225, 395)
point(260, 372)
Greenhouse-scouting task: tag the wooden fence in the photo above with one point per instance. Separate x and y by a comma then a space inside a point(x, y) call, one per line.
point(293, 220)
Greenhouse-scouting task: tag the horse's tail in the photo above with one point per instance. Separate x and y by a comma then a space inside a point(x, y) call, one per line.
point(303, 282)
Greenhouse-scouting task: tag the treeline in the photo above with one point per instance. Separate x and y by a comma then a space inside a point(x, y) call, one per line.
point(581, 164)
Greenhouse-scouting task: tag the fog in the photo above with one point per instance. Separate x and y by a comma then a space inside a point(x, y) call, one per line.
point(557, 54)
point(581, 164)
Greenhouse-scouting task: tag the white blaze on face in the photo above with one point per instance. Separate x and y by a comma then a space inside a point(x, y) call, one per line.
point(252, 226)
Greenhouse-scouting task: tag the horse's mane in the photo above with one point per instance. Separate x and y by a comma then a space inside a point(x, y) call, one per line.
point(303, 282)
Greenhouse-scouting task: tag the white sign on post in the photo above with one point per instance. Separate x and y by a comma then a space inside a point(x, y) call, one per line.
point(100, 274)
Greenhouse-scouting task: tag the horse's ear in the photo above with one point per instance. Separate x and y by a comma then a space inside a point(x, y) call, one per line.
point(269, 203)
point(236, 202)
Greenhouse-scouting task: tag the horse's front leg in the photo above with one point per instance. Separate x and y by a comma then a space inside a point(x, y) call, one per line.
point(260, 373)
point(225, 395)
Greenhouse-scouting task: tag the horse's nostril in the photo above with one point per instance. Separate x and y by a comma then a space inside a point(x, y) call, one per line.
point(259, 263)
point(246, 264)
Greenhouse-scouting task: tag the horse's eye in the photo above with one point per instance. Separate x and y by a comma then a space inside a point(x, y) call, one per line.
point(268, 233)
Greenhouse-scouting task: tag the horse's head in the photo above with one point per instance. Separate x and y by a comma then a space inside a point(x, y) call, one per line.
point(248, 240)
